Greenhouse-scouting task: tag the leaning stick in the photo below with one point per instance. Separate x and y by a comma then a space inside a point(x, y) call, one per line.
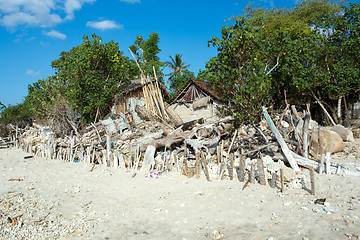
point(285, 149)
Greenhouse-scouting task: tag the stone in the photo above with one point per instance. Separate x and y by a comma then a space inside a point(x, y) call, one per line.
point(344, 133)
point(330, 141)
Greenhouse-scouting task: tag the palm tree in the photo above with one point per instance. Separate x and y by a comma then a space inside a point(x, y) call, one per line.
point(176, 65)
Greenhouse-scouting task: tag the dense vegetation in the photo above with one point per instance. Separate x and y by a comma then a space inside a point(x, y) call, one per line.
point(309, 54)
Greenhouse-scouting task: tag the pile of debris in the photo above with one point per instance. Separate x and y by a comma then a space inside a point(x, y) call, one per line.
point(263, 153)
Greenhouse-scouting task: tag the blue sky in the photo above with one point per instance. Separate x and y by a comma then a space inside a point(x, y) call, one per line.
point(34, 32)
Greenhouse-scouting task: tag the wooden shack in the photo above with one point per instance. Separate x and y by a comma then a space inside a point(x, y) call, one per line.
point(197, 100)
point(134, 90)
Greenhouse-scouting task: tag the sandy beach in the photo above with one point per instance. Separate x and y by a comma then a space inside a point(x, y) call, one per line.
point(51, 199)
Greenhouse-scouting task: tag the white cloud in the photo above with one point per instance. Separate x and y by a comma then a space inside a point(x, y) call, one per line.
point(32, 73)
point(104, 25)
point(130, 1)
point(55, 34)
point(72, 5)
point(38, 13)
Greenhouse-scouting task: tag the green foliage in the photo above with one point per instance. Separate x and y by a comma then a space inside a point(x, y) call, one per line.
point(15, 114)
point(43, 94)
point(146, 52)
point(179, 75)
point(91, 73)
point(177, 82)
point(310, 51)
point(2, 106)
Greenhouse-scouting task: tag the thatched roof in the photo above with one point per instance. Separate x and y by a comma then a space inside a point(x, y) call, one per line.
point(195, 89)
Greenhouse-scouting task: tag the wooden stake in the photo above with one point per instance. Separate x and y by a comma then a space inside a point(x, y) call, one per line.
point(241, 175)
point(273, 180)
point(312, 180)
point(252, 173)
point(205, 166)
point(197, 168)
point(261, 172)
point(328, 163)
point(321, 166)
point(232, 166)
point(306, 135)
point(282, 180)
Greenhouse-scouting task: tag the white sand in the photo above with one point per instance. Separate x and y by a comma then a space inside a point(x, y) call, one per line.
point(176, 207)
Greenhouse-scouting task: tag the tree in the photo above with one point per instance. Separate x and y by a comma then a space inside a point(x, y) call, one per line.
point(179, 75)
point(176, 65)
point(2, 106)
point(91, 74)
point(269, 52)
point(146, 52)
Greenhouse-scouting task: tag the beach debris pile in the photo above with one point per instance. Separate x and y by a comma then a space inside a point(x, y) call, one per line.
point(274, 152)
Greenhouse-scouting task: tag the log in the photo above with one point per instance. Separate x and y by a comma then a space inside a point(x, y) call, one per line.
point(167, 141)
point(191, 124)
point(285, 149)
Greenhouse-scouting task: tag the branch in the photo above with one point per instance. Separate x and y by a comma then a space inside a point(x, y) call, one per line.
point(277, 63)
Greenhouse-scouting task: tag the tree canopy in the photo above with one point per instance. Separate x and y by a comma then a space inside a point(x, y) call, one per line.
point(308, 52)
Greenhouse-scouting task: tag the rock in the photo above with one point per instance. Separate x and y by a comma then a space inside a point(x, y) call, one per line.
point(344, 133)
point(330, 141)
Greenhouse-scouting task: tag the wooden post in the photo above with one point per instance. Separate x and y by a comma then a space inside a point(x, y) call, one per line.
point(282, 180)
point(108, 150)
point(328, 163)
point(306, 135)
point(205, 166)
point(312, 180)
point(252, 173)
point(197, 168)
point(232, 166)
point(241, 169)
point(321, 166)
point(273, 180)
point(261, 172)
point(185, 160)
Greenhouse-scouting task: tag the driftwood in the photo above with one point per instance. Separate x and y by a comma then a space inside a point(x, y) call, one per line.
point(190, 125)
point(167, 141)
point(281, 141)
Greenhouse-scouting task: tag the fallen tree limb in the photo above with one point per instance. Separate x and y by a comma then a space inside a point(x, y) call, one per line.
point(285, 149)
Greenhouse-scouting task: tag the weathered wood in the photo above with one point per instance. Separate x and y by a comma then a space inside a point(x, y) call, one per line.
point(148, 158)
point(252, 173)
point(241, 175)
point(321, 166)
point(232, 166)
point(108, 150)
point(205, 166)
point(282, 180)
point(167, 141)
point(261, 171)
point(327, 157)
point(306, 135)
point(197, 167)
point(285, 149)
point(312, 181)
point(190, 125)
point(273, 180)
